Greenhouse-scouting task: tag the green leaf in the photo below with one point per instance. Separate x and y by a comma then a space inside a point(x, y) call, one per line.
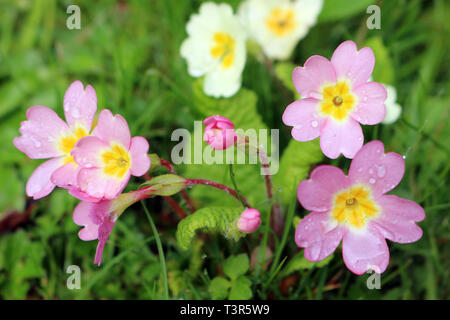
point(220, 219)
point(241, 289)
point(383, 71)
point(295, 165)
point(240, 108)
point(219, 288)
point(341, 9)
point(236, 266)
point(283, 70)
point(299, 262)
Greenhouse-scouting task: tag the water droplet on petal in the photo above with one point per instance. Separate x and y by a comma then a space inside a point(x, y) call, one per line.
point(372, 180)
point(314, 124)
point(75, 112)
point(370, 171)
point(381, 171)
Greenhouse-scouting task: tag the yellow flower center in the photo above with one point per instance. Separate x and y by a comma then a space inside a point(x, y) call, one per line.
point(223, 49)
point(338, 101)
point(281, 21)
point(116, 161)
point(67, 143)
point(354, 207)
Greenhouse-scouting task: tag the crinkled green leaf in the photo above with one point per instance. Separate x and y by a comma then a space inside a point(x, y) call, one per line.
point(219, 287)
point(236, 266)
point(221, 219)
point(240, 108)
point(295, 165)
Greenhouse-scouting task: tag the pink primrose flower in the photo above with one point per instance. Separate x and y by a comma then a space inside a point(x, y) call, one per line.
point(98, 218)
point(336, 98)
point(108, 158)
point(356, 210)
point(44, 135)
point(219, 132)
point(249, 220)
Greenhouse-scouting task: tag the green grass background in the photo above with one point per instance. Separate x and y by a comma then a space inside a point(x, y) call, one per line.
point(129, 52)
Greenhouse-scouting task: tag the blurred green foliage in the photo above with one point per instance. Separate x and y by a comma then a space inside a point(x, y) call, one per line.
point(129, 52)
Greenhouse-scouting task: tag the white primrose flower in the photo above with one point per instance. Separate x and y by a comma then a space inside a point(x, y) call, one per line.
point(215, 48)
point(393, 109)
point(278, 25)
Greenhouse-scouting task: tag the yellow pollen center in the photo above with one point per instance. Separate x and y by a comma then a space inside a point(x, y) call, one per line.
point(223, 49)
point(116, 161)
point(66, 144)
point(281, 21)
point(354, 207)
point(338, 101)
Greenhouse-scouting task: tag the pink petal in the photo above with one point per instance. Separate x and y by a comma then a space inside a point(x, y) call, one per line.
point(353, 64)
point(397, 221)
point(364, 251)
point(345, 137)
point(302, 115)
point(112, 128)
point(316, 194)
point(40, 133)
point(87, 152)
point(66, 175)
point(77, 193)
point(81, 217)
point(80, 105)
point(39, 184)
point(140, 161)
point(315, 234)
point(219, 122)
point(370, 108)
point(96, 184)
point(383, 172)
point(316, 71)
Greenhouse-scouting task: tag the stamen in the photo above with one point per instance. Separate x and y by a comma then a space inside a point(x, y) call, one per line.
point(337, 101)
point(350, 202)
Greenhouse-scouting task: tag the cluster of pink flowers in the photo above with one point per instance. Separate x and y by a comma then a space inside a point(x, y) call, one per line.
point(94, 164)
point(336, 97)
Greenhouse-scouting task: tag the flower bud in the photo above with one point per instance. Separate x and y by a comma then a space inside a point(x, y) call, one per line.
point(249, 220)
point(219, 132)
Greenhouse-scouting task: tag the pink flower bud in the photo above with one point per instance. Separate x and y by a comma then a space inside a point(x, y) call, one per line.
point(219, 132)
point(249, 220)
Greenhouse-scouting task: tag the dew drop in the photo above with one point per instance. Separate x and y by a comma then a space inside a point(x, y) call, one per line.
point(372, 180)
point(371, 171)
point(314, 124)
point(365, 99)
point(381, 171)
point(75, 112)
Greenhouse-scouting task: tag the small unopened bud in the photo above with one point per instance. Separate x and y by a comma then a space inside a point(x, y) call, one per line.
point(249, 220)
point(219, 132)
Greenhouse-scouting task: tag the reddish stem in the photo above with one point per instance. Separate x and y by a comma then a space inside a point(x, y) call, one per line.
point(218, 186)
point(175, 207)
